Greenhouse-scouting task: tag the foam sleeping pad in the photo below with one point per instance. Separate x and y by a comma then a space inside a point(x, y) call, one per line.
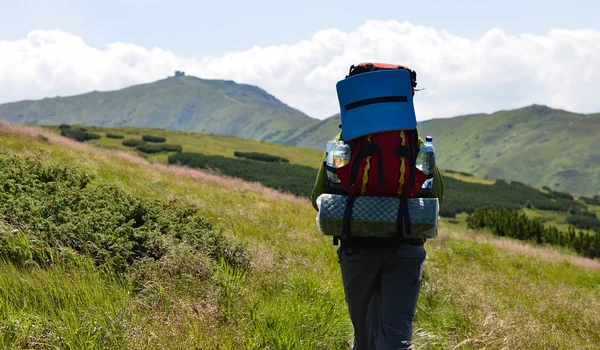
point(376, 216)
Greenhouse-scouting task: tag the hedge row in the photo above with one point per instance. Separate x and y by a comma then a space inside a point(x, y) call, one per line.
point(114, 136)
point(150, 138)
point(503, 222)
point(262, 157)
point(286, 177)
point(80, 134)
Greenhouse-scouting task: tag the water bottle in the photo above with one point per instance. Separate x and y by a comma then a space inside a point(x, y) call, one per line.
point(341, 154)
point(338, 154)
point(426, 163)
point(329, 156)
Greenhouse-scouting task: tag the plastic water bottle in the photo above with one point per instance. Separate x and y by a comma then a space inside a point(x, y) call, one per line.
point(426, 162)
point(341, 154)
point(338, 155)
point(329, 155)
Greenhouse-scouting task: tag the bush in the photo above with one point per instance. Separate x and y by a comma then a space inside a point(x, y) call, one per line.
point(292, 178)
point(150, 138)
point(261, 157)
point(465, 197)
point(115, 136)
point(151, 148)
point(585, 221)
point(132, 142)
point(517, 225)
point(591, 201)
point(563, 195)
point(64, 126)
point(61, 208)
point(80, 135)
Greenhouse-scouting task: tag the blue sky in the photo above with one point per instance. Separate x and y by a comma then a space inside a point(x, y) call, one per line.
point(192, 28)
point(470, 56)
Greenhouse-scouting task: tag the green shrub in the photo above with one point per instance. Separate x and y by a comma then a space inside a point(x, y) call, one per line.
point(262, 157)
point(517, 225)
point(152, 148)
point(150, 138)
point(114, 136)
point(80, 135)
point(585, 221)
point(61, 208)
point(591, 201)
point(286, 177)
point(132, 142)
point(563, 195)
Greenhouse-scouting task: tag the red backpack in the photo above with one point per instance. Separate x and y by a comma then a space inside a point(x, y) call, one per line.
point(382, 163)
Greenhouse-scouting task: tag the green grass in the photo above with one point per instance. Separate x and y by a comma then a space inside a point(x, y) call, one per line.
point(478, 291)
point(208, 144)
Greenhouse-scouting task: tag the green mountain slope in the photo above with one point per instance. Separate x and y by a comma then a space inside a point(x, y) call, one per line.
point(537, 145)
point(101, 249)
point(182, 103)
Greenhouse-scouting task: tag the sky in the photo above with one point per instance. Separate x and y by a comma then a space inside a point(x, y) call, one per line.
point(470, 56)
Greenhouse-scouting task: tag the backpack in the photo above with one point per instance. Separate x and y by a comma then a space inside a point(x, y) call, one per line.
point(379, 125)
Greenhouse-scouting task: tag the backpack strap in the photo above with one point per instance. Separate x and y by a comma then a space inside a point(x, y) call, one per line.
point(365, 177)
point(349, 247)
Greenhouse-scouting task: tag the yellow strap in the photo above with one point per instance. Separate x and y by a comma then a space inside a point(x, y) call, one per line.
point(402, 165)
point(365, 178)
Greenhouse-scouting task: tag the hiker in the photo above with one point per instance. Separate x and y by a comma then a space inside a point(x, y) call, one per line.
point(381, 275)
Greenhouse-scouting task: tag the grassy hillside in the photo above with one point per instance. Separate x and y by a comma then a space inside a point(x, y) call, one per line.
point(464, 192)
point(182, 103)
point(209, 144)
point(316, 134)
point(536, 145)
point(284, 292)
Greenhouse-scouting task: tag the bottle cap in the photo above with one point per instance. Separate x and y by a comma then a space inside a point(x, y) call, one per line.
point(428, 138)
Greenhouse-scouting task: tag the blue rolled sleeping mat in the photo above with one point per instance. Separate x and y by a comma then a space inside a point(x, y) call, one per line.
point(376, 101)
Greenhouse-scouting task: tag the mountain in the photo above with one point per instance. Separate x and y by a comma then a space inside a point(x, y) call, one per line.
point(182, 103)
point(315, 134)
point(537, 145)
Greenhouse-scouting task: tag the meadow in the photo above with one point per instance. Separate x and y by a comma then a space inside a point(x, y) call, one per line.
point(184, 258)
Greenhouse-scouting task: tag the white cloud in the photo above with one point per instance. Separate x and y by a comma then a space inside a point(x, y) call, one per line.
point(460, 75)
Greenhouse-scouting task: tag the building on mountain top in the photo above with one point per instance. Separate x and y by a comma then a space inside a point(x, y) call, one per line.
point(179, 73)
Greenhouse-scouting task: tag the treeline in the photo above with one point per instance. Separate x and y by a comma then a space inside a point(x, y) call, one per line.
point(592, 201)
point(262, 157)
point(583, 219)
point(461, 196)
point(509, 223)
point(285, 177)
point(458, 172)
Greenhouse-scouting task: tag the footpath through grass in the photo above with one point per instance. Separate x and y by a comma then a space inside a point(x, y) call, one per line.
point(478, 291)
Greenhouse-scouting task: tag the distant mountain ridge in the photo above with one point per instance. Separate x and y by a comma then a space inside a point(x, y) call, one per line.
point(538, 145)
point(183, 103)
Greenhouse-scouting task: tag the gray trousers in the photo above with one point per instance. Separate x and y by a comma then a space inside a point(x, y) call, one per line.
point(382, 287)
